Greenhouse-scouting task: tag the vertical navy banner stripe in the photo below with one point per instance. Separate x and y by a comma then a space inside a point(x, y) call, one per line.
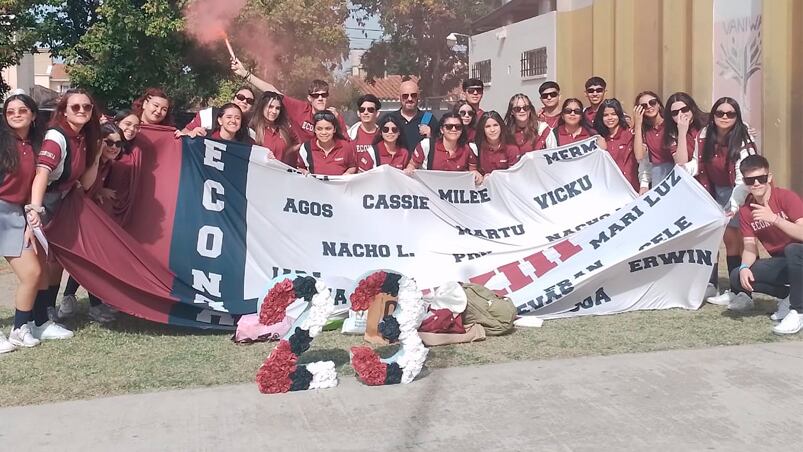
point(208, 248)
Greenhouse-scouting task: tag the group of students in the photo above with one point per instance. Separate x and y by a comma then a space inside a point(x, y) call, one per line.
point(40, 164)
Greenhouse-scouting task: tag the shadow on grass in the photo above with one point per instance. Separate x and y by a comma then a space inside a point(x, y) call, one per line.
point(763, 308)
point(338, 355)
point(132, 325)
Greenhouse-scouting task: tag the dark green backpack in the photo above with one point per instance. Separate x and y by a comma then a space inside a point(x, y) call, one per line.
point(494, 313)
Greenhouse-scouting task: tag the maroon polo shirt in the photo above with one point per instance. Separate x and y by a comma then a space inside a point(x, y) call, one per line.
point(471, 132)
point(590, 113)
point(620, 146)
point(463, 158)
point(364, 140)
point(339, 160)
point(502, 158)
point(524, 145)
point(15, 188)
point(300, 113)
point(691, 139)
point(717, 168)
point(785, 203)
point(653, 138)
point(398, 159)
point(565, 138)
point(273, 140)
point(195, 123)
point(50, 156)
point(551, 121)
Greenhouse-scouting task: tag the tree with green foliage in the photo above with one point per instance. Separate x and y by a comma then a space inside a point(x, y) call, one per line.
point(298, 41)
point(62, 23)
point(18, 34)
point(415, 43)
point(140, 43)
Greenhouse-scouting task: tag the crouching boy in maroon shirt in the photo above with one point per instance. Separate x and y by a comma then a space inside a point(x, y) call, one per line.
point(773, 216)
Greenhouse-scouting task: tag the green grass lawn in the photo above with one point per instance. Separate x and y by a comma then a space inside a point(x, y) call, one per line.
point(133, 355)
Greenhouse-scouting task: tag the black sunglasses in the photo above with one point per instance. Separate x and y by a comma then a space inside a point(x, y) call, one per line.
point(113, 144)
point(569, 111)
point(246, 99)
point(368, 109)
point(521, 109)
point(550, 95)
point(475, 91)
point(467, 113)
point(595, 90)
point(725, 114)
point(388, 129)
point(453, 126)
point(410, 96)
point(319, 95)
point(649, 103)
point(685, 109)
point(324, 116)
point(751, 180)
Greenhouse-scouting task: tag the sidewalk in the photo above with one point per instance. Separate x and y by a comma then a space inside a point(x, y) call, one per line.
point(736, 398)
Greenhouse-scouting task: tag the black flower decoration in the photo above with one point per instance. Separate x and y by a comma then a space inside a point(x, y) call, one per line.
point(304, 287)
point(394, 374)
point(301, 379)
point(391, 284)
point(300, 341)
point(389, 328)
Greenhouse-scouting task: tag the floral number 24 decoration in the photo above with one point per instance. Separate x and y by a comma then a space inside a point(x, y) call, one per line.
point(281, 372)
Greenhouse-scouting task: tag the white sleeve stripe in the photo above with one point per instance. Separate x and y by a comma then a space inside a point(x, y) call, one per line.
point(58, 138)
point(206, 118)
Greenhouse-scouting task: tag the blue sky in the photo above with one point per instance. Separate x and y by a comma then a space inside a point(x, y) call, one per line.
point(361, 37)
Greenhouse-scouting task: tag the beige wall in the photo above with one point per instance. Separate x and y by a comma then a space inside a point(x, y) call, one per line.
point(666, 46)
point(783, 95)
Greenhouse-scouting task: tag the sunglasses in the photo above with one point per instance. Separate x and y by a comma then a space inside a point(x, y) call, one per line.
point(471, 113)
point(572, 111)
point(751, 180)
point(725, 114)
point(475, 91)
point(521, 109)
point(685, 109)
point(409, 96)
point(453, 127)
point(388, 129)
point(319, 95)
point(19, 111)
point(113, 144)
point(649, 103)
point(368, 109)
point(595, 90)
point(77, 108)
point(550, 95)
point(324, 116)
point(246, 99)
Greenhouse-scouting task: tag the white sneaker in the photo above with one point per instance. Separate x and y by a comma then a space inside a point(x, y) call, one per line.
point(50, 330)
point(22, 337)
point(5, 345)
point(791, 324)
point(68, 306)
point(741, 303)
point(782, 310)
point(710, 291)
point(722, 300)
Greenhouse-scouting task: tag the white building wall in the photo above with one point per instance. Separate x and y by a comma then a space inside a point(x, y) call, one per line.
point(505, 56)
point(22, 75)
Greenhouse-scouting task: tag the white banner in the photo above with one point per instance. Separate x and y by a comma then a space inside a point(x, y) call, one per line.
point(562, 233)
